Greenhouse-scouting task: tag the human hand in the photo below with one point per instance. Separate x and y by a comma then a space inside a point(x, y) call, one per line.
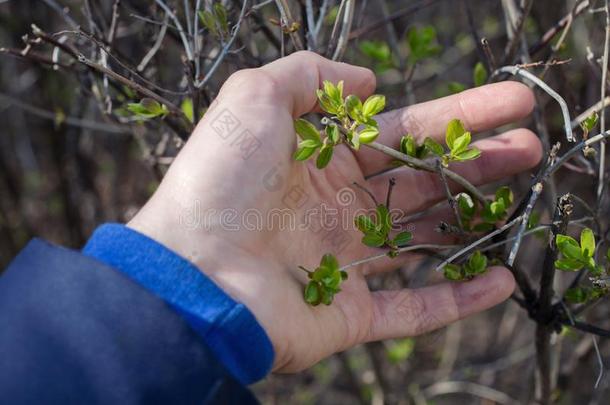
point(240, 158)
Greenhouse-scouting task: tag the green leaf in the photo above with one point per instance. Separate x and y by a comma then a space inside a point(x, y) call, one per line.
point(326, 153)
point(353, 105)
point(334, 92)
point(354, 139)
point(422, 43)
point(498, 208)
point(188, 109)
point(587, 243)
point(304, 152)
point(221, 16)
point(533, 220)
point(333, 133)
point(590, 122)
point(327, 297)
point(479, 74)
point(466, 206)
point(374, 240)
point(455, 87)
point(408, 146)
point(327, 104)
point(364, 224)
point(577, 295)
point(455, 129)
point(307, 131)
point(330, 261)
point(400, 350)
point(477, 264)
point(368, 134)
point(461, 143)
point(147, 108)
point(569, 247)
point(566, 264)
point(469, 154)
point(209, 21)
point(376, 50)
point(321, 273)
point(453, 272)
point(402, 238)
point(384, 222)
point(506, 194)
point(312, 293)
point(434, 147)
point(373, 105)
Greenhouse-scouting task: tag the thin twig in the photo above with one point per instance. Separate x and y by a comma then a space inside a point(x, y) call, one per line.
point(478, 242)
point(185, 41)
point(602, 145)
point(423, 246)
point(225, 49)
point(536, 191)
point(517, 71)
point(287, 21)
point(156, 46)
point(430, 167)
point(450, 198)
point(600, 361)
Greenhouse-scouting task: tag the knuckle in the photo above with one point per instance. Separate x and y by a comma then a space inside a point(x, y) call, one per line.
point(306, 55)
point(248, 81)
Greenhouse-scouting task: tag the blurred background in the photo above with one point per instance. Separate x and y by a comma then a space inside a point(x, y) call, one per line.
point(98, 96)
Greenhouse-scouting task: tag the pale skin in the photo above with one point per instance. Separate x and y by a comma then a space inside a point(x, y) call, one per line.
point(260, 267)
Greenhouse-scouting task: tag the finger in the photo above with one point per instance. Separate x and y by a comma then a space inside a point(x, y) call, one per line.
point(480, 109)
point(299, 75)
point(501, 156)
point(404, 313)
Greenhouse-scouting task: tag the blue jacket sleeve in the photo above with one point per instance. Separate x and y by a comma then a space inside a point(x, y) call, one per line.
point(75, 330)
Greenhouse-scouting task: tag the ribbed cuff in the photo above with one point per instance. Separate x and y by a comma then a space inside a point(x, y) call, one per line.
point(226, 326)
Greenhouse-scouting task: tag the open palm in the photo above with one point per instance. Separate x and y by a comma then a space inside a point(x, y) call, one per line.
point(236, 204)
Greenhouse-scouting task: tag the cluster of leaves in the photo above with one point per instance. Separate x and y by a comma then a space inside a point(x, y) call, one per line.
point(587, 126)
point(351, 122)
point(325, 281)
point(475, 265)
point(581, 295)
point(492, 212)
point(578, 255)
point(400, 350)
point(379, 52)
point(215, 20)
point(422, 43)
point(457, 140)
point(575, 255)
point(377, 229)
point(147, 109)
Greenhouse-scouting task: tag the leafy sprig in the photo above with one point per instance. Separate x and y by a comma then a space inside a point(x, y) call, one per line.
point(215, 19)
point(147, 109)
point(325, 281)
point(577, 255)
point(492, 212)
point(458, 145)
point(474, 266)
point(351, 122)
point(377, 230)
